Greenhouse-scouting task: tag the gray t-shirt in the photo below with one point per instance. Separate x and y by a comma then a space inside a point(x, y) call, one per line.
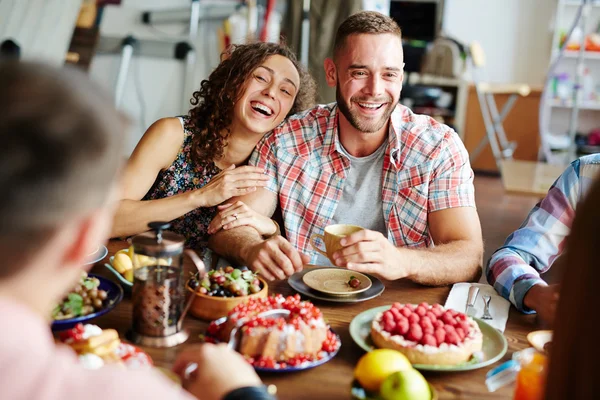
point(361, 197)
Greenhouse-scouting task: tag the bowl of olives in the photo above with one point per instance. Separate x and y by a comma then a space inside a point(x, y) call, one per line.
point(220, 290)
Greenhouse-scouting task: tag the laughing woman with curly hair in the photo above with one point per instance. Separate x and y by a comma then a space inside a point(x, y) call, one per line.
point(184, 167)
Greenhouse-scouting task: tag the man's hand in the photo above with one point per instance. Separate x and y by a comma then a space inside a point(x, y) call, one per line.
point(543, 299)
point(370, 252)
point(274, 258)
point(211, 381)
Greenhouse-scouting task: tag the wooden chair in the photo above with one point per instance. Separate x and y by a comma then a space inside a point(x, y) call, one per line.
point(495, 134)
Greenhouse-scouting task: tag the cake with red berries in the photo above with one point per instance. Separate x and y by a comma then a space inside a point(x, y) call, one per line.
point(427, 334)
point(97, 347)
point(267, 342)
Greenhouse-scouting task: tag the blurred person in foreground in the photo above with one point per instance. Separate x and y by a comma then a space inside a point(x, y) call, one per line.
point(60, 153)
point(574, 353)
point(515, 268)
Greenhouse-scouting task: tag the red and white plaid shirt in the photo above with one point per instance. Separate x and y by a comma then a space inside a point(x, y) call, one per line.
point(425, 169)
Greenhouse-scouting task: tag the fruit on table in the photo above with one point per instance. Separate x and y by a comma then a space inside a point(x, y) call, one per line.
point(125, 261)
point(374, 367)
point(129, 275)
point(353, 282)
point(84, 299)
point(405, 385)
point(228, 282)
point(122, 262)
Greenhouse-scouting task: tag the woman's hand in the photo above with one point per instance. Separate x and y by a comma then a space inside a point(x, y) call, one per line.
point(231, 182)
point(239, 214)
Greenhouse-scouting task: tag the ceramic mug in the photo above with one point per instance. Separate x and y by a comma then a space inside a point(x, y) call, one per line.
point(331, 238)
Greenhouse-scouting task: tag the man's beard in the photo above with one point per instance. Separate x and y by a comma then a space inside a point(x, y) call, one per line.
point(366, 126)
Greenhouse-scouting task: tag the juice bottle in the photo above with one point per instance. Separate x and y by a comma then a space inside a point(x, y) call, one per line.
point(531, 379)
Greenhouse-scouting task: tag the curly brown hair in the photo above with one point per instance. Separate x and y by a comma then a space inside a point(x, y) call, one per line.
point(214, 102)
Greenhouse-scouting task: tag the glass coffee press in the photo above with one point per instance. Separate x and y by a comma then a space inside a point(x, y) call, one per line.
point(158, 295)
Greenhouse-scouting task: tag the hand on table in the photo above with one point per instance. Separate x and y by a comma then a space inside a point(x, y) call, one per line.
point(239, 214)
point(370, 252)
point(275, 258)
point(220, 370)
point(543, 299)
point(232, 182)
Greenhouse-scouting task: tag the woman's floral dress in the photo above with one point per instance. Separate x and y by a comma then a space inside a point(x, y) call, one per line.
point(182, 176)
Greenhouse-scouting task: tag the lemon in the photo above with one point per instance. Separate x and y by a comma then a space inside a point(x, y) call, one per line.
point(374, 367)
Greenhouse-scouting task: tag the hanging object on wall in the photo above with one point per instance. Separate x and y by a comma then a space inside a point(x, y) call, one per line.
point(446, 58)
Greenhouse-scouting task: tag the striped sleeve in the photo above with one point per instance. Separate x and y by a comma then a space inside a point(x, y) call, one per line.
point(529, 251)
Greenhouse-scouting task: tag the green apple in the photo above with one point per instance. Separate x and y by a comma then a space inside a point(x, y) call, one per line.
point(405, 385)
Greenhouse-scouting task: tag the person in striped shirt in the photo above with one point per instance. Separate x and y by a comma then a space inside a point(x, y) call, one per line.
point(369, 161)
point(514, 269)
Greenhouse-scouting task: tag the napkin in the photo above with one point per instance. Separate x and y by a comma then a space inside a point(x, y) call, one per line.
point(499, 306)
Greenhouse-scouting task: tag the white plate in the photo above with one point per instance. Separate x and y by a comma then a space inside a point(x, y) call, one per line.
point(97, 256)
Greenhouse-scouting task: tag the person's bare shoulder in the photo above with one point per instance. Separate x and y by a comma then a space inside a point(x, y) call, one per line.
point(162, 141)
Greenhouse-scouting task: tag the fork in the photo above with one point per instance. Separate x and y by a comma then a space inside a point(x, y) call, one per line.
point(486, 307)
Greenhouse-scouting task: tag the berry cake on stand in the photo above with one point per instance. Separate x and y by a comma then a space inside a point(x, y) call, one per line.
point(427, 334)
point(299, 339)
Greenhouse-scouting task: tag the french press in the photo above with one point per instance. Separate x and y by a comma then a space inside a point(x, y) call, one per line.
point(158, 295)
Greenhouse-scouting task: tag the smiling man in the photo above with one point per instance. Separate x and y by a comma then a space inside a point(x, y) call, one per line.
point(364, 160)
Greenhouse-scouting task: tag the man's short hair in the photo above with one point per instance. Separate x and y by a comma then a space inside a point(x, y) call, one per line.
point(364, 22)
point(60, 149)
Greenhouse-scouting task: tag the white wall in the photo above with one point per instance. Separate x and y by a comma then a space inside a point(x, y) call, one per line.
point(153, 84)
point(516, 35)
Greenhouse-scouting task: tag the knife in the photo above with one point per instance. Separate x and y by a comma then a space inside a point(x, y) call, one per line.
point(470, 309)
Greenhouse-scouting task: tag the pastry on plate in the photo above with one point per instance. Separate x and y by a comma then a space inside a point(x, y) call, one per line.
point(427, 334)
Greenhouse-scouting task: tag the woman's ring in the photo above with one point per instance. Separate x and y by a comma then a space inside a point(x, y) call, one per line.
point(235, 216)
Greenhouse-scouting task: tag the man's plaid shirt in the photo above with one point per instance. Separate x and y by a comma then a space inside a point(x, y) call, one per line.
point(425, 169)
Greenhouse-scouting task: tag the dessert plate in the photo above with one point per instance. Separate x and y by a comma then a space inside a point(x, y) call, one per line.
point(335, 281)
point(296, 282)
point(494, 343)
point(324, 356)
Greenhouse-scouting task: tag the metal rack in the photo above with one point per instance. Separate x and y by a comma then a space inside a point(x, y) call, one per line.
point(574, 104)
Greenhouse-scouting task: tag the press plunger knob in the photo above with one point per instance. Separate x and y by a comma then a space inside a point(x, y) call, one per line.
point(159, 226)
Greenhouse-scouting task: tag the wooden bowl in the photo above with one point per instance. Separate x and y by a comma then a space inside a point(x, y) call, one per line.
point(211, 307)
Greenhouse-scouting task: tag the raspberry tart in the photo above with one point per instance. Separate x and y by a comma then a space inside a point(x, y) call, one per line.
point(301, 338)
point(427, 334)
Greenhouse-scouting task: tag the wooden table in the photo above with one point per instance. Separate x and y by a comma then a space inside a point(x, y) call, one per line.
point(333, 379)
